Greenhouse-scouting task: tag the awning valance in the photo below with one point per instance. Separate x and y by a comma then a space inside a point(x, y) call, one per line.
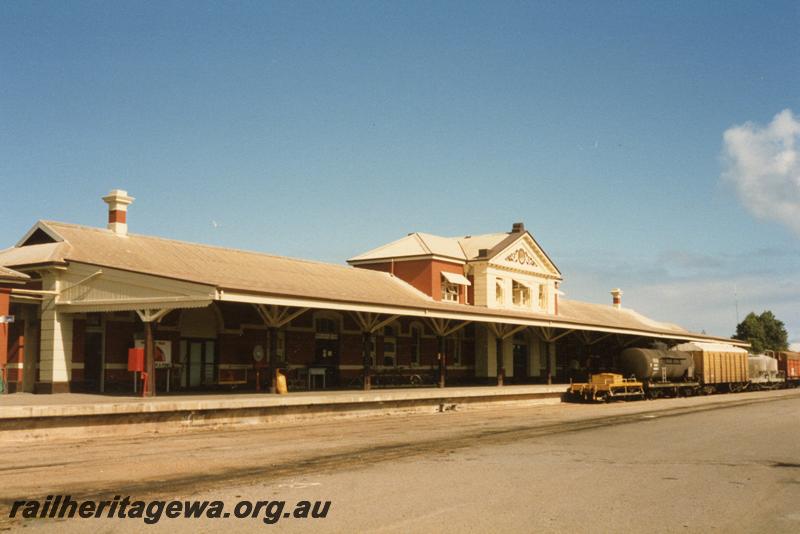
point(455, 278)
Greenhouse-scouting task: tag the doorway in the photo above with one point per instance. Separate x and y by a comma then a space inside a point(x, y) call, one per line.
point(93, 361)
point(199, 362)
point(520, 363)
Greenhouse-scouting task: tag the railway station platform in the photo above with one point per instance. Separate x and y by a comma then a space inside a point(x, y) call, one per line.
point(28, 417)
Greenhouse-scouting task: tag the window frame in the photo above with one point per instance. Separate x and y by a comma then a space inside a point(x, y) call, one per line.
point(450, 292)
point(499, 292)
point(520, 294)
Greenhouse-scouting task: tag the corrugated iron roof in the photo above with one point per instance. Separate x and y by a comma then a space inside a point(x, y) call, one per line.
point(465, 248)
point(263, 274)
point(415, 244)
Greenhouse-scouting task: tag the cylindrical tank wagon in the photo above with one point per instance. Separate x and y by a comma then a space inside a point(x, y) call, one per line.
point(663, 372)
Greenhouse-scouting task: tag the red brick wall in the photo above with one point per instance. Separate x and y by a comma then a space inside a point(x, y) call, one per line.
point(119, 338)
point(299, 347)
point(16, 349)
point(425, 275)
point(352, 349)
point(5, 302)
point(238, 349)
point(78, 349)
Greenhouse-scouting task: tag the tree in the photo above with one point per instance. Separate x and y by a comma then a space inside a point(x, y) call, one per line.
point(763, 332)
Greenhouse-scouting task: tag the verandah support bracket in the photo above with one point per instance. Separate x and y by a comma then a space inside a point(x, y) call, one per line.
point(548, 335)
point(444, 328)
point(149, 317)
point(503, 331)
point(369, 323)
point(274, 317)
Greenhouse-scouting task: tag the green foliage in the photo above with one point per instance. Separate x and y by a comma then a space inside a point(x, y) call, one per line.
point(764, 332)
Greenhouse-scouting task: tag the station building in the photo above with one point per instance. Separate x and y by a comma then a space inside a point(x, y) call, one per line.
point(422, 310)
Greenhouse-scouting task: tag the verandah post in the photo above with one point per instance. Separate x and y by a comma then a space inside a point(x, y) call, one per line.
point(273, 359)
point(442, 361)
point(367, 360)
point(501, 372)
point(149, 358)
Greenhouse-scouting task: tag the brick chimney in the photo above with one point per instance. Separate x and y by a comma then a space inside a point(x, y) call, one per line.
point(517, 227)
point(118, 201)
point(616, 296)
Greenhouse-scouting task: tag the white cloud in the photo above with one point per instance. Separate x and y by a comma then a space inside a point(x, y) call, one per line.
point(763, 164)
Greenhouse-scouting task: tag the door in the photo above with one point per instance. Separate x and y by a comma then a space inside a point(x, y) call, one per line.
point(326, 354)
point(199, 361)
point(93, 360)
point(520, 363)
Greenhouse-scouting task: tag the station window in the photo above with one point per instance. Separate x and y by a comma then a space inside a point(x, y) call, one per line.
point(498, 292)
point(520, 294)
point(449, 291)
point(543, 296)
point(389, 347)
point(324, 325)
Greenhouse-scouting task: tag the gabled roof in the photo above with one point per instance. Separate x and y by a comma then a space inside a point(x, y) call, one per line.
point(473, 244)
point(462, 249)
point(416, 244)
point(40, 233)
point(224, 268)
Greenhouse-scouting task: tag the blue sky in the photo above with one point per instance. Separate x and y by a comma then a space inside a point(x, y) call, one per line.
point(323, 129)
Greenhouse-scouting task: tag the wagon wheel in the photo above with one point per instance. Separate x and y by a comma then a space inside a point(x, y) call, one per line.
point(415, 380)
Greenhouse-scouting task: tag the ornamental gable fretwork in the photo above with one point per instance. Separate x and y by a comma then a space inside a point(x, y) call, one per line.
point(522, 257)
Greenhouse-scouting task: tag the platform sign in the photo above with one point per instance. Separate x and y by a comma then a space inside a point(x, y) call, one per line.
point(6, 319)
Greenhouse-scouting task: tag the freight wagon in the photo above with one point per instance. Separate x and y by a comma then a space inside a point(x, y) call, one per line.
point(789, 365)
point(764, 372)
point(718, 367)
point(686, 369)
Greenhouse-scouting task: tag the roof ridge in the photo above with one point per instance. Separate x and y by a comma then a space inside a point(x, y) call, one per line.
point(422, 242)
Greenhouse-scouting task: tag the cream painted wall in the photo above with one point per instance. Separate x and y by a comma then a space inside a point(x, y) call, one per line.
point(55, 345)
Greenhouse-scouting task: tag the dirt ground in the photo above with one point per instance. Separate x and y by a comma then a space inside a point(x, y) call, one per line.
point(726, 462)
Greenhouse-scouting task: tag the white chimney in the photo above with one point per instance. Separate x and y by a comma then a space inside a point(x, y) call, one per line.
point(616, 295)
point(118, 201)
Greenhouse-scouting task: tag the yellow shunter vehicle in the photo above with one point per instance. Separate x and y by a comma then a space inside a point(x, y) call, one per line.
point(605, 387)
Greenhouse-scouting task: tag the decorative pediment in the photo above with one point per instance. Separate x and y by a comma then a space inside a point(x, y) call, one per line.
point(521, 256)
point(524, 254)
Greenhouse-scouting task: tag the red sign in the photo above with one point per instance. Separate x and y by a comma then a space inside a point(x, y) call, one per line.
point(136, 360)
